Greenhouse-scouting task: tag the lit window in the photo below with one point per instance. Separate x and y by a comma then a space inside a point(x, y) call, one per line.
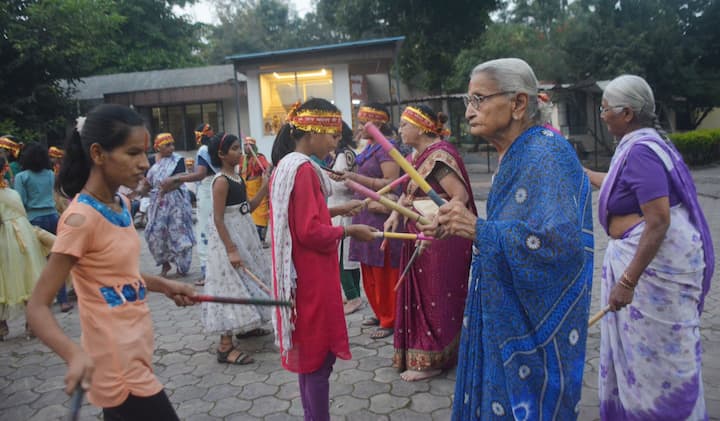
point(279, 91)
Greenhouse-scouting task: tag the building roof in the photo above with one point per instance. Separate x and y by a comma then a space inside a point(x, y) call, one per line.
point(95, 87)
point(329, 48)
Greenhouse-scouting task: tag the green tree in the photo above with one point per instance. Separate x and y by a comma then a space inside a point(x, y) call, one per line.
point(435, 31)
point(42, 43)
point(152, 37)
point(250, 26)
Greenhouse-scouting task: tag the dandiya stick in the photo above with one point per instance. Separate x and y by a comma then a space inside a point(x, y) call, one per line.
point(387, 202)
point(416, 253)
point(401, 235)
point(252, 151)
point(76, 402)
point(241, 300)
point(403, 163)
point(599, 315)
point(390, 186)
point(258, 281)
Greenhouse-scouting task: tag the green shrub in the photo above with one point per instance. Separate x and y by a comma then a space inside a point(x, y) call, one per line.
point(698, 147)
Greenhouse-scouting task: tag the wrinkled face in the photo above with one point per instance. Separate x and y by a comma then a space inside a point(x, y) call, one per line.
point(616, 118)
point(167, 149)
point(409, 133)
point(233, 155)
point(126, 164)
point(491, 116)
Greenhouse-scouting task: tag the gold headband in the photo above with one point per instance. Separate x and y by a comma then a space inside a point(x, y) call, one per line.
point(206, 131)
point(366, 114)
point(55, 152)
point(423, 122)
point(163, 139)
point(11, 146)
point(317, 121)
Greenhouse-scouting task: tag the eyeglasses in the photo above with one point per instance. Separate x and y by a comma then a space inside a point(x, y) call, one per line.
point(476, 99)
point(604, 109)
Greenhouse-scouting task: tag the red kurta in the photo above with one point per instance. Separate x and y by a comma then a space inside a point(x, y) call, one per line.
point(320, 321)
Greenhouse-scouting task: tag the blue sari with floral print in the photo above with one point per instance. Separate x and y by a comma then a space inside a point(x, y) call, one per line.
point(523, 341)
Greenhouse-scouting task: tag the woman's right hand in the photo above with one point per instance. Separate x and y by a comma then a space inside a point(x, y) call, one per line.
point(80, 371)
point(360, 232)
point(342, 176)
point(391, 222)
point(235, 260)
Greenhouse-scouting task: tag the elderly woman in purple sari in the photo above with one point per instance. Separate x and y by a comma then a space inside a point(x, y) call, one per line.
point(431, 297)
point(657, 267)
point(169, 230)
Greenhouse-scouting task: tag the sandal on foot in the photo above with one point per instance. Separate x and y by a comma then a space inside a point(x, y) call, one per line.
point(382, 332)
point(373, 321)
point(200, 283)
point(242, 358)
point(253, 333)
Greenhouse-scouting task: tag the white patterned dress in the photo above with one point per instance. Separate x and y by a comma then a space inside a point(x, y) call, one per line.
point(222, 279)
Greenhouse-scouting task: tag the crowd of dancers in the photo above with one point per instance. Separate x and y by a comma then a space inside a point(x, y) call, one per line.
point(384, 210)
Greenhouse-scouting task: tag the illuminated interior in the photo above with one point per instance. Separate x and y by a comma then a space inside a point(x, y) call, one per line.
point(279, 91)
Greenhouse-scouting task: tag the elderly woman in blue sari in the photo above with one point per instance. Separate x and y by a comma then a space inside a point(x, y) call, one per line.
point(522, 347)
point(169, 231)
point(658, 264)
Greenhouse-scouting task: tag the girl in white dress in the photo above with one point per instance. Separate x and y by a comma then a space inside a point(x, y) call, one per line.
point(234, 253)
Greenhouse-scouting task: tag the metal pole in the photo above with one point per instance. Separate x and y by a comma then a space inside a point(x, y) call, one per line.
point(237, 106)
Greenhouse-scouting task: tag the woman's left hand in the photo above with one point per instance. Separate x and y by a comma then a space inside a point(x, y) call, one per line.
point(180, 293)
point(620, 297)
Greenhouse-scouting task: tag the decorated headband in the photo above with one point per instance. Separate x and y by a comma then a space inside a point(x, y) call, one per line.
point(11, 146)
point(366, 114)
point(423, 122)
point(315, 121)
point(163, 139)
point(206, 131)
point(55, 152)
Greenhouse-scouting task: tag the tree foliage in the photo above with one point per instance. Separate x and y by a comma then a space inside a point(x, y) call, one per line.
point(435, 31)
point(46, 43)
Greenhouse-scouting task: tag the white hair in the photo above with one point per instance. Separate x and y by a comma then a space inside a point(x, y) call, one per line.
point(633, 92)
point(515, 75)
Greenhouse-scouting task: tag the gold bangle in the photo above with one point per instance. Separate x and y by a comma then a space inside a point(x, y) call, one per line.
point(627, 278)
point(625, 285)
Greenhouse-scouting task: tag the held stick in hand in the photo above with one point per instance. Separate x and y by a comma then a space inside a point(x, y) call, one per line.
point(401, 235)
point(241, 301)
point(387, 202)
point(258, 281)
point(416, 253)
point(75, 403)
point(403, 163)
point(599, 315)
point(389, 187)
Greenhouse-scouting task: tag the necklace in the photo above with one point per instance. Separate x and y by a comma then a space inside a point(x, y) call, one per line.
point(234, 177)
point(96, 197)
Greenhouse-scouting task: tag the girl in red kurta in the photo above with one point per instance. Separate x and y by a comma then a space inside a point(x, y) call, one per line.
point(312, 333)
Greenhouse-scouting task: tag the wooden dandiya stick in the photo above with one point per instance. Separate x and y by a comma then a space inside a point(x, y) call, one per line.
point(416, 253)
point(403, 163)
point(386, 202)
point(390, 186)
point(258, 281)
point(401, 235)
point(240, 300)
point(252, 151)
point(599, 315)
point(76, 402)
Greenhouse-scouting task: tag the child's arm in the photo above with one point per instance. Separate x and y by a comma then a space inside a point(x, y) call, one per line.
point(219, 194)
point(176, 291)
point(45, 326)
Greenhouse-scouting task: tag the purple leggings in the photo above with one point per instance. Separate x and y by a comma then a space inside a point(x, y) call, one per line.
point(315, 391)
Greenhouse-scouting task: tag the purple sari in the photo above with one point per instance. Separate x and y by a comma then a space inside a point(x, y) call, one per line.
point(431, 299)
point(650, 353)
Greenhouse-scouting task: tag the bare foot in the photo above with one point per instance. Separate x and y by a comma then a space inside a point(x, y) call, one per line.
point(353, 305)
point(413, 376)
point(165, 269)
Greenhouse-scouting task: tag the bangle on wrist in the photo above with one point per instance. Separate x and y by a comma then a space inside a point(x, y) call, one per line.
point(627, 279)
point(625, 285)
